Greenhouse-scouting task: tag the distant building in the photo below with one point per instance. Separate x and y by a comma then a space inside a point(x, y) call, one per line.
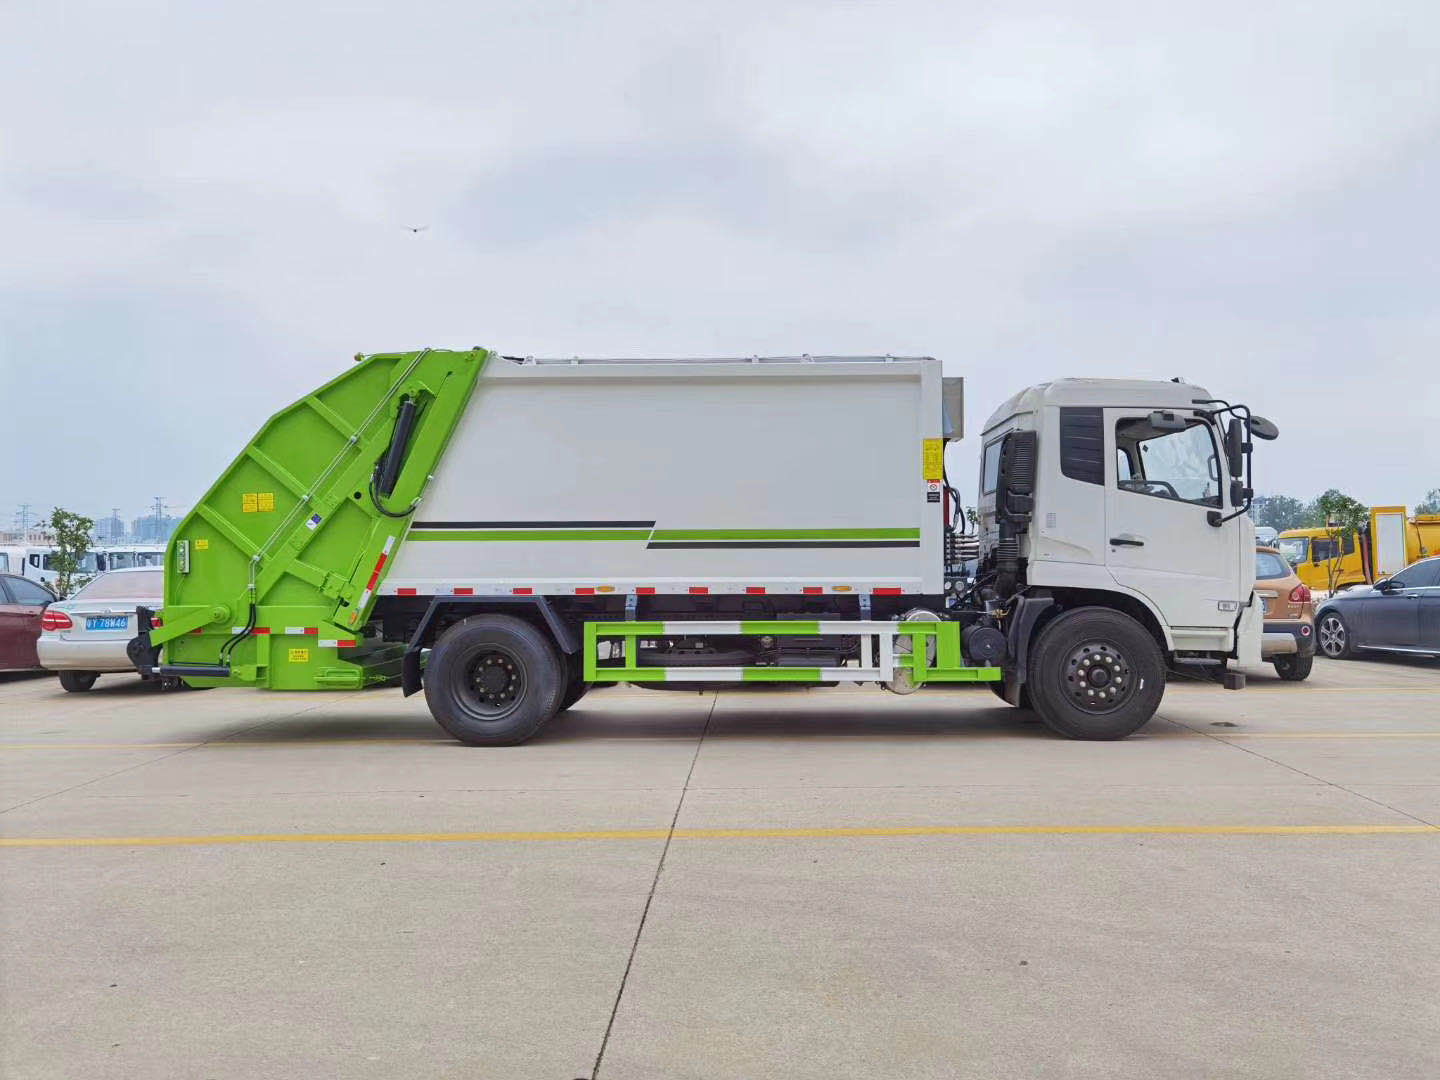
point(111, 530)
point(148, 529)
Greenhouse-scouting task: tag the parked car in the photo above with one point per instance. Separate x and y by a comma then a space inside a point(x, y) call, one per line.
point(1289, 639)
point(1398, 614)
point(85, 636)
point(22, 608)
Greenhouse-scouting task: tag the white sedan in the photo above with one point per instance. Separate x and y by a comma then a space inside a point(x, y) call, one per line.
point(85, 636)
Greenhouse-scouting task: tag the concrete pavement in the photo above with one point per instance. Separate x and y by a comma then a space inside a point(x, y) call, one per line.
point(683, 885)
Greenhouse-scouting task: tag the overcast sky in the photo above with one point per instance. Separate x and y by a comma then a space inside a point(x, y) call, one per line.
point(202, 209)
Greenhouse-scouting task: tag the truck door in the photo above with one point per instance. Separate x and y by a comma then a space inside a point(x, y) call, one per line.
point(1387, 526)
point(1160, 486)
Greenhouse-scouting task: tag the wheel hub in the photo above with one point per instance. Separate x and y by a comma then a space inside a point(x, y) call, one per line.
point(1332, 636)
point(1098, 676)
point(496, 680)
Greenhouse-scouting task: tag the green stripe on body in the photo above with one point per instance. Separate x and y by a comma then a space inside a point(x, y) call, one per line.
point(529, 534)
point(785, 534)
point(783, 626)
point(780, 674)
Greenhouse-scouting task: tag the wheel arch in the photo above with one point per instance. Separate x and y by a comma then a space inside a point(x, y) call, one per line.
point(443, 611)
point(1124, 601)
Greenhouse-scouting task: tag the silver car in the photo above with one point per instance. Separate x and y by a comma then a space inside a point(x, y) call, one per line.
point(85, 636)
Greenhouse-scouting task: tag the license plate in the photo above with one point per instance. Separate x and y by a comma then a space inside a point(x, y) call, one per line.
point(107, 622)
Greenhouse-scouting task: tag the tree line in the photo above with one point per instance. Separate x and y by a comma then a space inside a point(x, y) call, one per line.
point(1281, 512)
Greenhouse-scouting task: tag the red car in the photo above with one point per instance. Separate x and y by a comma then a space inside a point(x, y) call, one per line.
point(22, 606)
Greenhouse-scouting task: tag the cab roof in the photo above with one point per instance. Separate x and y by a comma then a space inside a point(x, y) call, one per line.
point(1120, 393)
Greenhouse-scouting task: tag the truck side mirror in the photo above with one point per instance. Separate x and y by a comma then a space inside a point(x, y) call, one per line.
point(1263, 429)
point(1015, 490)
point(1235, 446)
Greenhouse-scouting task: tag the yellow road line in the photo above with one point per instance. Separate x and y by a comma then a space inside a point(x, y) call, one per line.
point(1323, 734)
point(1293, 691)
point(439, 740)
point(878, 831)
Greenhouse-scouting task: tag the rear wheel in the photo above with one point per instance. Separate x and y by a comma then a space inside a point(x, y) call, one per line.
point(493, 680)
point(1096, 674)
point(1294, 668)
point(575, 686)
point(78, 681)
point(1333, 636)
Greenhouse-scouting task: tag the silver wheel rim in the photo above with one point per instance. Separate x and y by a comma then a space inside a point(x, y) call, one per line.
point(1332, 636)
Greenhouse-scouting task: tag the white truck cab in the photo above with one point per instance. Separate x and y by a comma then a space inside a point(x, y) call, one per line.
point(1129, 495)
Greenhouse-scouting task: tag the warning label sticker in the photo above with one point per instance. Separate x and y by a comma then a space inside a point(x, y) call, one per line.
point(934, 459)
point(299, 656)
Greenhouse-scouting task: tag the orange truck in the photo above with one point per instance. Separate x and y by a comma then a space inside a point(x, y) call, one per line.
point(1328, 560)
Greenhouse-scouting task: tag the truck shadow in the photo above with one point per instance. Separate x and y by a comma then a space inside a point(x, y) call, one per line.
point(595, 724)
point(807, 722)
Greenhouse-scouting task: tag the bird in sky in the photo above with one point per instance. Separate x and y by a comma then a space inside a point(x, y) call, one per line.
point(415, 228)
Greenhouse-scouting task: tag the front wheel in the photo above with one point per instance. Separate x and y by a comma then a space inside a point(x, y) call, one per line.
point(493, 680)
point(1096, 674)
point(1333, 636)
point(77, 682)
point(1294, 668)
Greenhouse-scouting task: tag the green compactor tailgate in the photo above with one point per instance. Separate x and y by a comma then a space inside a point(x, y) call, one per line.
point(269, 580)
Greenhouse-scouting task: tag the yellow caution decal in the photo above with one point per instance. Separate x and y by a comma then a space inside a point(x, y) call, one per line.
point(934, 459)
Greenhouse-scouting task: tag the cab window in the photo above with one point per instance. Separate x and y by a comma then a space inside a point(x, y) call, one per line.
point(990, 474)
point(1178, 465)
point(1294, 548)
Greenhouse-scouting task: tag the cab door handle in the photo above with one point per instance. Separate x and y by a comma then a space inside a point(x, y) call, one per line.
point(1126, 540)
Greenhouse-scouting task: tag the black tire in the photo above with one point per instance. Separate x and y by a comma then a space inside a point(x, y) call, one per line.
point(78, 681)
point(1096, 674)
point(1332, 636)
point(1294, 667)
point(493, 680)
point(576, 687)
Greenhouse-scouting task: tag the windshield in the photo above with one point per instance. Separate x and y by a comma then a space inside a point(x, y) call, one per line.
point(1293, 548)
point(140, 585)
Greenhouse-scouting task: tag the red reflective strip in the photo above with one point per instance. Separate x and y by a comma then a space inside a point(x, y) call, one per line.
point(347, 643)
point(644, 590)
point(813, 590)
point(379, 565)
point(198, 630)
point(755, 590)
point(698, 590)
point(261, 630)
point(463, 592)
point(404, 592)
point(311, 630)
point(522, 592)
point(887, 591)
point(584, 590)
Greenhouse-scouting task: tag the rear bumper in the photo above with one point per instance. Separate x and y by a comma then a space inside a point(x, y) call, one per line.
point(1290, 638)
point(58, 654)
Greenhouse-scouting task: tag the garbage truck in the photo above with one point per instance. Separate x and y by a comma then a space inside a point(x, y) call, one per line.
point(504, 533)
